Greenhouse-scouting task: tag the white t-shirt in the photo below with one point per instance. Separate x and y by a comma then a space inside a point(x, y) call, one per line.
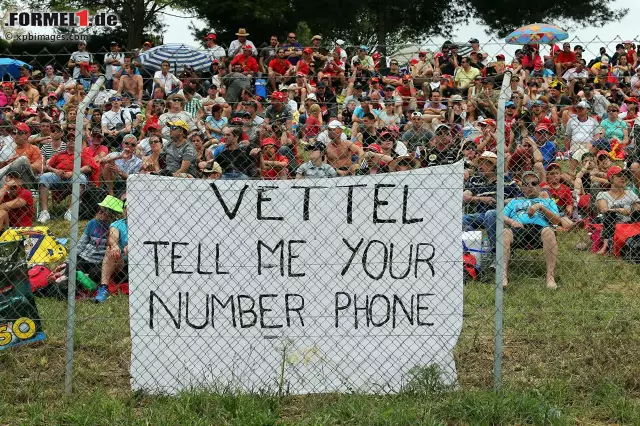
point(571, 73)
point(7, 148)
point(401, 149)
point(169, 81)
point(109, 70)
point(111, 119)
point(581, 133)
point(76, 58)
point(216, 52)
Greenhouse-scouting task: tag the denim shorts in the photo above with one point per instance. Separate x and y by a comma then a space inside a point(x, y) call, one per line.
point(52, 180)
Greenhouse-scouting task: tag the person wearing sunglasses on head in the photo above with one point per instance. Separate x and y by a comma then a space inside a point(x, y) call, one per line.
point(16, 203)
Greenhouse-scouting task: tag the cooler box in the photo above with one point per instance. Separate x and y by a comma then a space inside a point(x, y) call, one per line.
point(472, 243)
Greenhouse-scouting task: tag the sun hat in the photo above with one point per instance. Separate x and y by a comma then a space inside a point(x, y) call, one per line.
point(112, 203)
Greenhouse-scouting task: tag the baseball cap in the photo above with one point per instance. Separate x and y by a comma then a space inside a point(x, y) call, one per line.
point(582, 104)
point(542, 127)
point(487, 122)
point(278, 97)
point(210, 36)
point(23, 80)
point(300, 74)
point(374, 147)
point(247, 47)
point(604, 60)
point(509, 103)
point(212, 167)
point(307, 50)
point(52, 94)
point(334, 124)
point(13, 174)
point(488, 155)
point(441, 126)
point(179, 123)
point(269, 141)
point(474, 40)
point(553, 166)
point(416, 114)
point(23, 128)
point(312, 96)
point(500, 57)
point(457, 98)
point(389, 87)
point(316, 37)
point(613, 170)
point(339, 42)
point(363, 47)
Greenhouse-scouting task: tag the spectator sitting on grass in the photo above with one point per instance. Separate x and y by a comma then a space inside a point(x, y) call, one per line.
point(116, 258)
point(529, 220)
point(16, 203)
point(93, 243)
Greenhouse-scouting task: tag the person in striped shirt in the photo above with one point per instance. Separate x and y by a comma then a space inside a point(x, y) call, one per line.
point(53, 145)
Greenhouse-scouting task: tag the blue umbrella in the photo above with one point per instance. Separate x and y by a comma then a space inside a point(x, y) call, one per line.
point(537, 33)
point(178, 55)
point(12, 67)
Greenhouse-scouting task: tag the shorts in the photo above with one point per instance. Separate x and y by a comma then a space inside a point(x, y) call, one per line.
point(527, 238)
point(53, 181)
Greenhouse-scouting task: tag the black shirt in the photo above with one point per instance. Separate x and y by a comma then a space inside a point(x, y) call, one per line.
point(237, 160)
point(435, 157)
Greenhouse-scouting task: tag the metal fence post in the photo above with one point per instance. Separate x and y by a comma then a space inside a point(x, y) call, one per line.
point(73, 238)
point(497, 344)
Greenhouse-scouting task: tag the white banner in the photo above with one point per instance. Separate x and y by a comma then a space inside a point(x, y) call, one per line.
point(302, 286)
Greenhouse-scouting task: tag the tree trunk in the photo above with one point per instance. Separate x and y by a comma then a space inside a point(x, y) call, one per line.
point(136, 23)
point(381, 35)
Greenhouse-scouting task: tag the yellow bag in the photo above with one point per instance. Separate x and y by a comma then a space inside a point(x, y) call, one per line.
point(40, 244)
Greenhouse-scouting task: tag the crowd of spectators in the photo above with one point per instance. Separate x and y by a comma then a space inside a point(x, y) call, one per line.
point(288, 111)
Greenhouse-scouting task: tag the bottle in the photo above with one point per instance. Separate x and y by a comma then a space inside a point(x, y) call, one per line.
point(485, 252)
point(85, 282)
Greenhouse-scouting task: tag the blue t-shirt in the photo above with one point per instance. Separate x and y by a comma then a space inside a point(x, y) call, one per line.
point(123, 240)
point(359, 112)
point(517, 210)
point(614, 129)
point(548, 151)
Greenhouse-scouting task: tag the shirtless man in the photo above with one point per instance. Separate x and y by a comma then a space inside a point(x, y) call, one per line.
point(130, 83)
point(340, 151)
point(29, 91)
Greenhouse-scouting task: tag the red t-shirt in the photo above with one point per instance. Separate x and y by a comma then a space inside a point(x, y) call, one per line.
point(64, 161)
point(311, 127)
point(272, 174)
point(248, 63)
point(565, 57)
point(22, 216)
point(561, 195)
point(279, 66)
point(94, 150)
point(303, 67)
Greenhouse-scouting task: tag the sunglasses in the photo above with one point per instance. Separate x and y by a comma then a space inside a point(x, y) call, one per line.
point(612, 110)
point(154, 141)
point(175, 127)
point(116, 99)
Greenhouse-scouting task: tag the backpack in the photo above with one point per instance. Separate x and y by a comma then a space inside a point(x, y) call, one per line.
point(631, 249)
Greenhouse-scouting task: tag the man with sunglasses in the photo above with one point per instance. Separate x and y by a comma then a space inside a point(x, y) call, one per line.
point(115, 123)
point(27, 159)
point(391, 76)
point(530, 221)
point(16, 203)
point(117, 166)
point(465, 74)
point(180, 154)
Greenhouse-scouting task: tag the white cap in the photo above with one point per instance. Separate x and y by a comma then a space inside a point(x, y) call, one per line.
point(292, 86)
point(488, 155)
point(312, 96)
point(334, 124)
point(440, 126)
point(416, 114)
point(582, 104)
point(339, 42)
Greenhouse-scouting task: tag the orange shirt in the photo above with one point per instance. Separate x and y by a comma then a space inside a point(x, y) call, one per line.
point(31, 152)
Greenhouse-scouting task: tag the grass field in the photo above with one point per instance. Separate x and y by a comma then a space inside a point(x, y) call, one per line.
point(570, 357)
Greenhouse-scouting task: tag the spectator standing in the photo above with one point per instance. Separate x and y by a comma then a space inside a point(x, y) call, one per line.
point(236, 45)
point(215, 52)
point(79, 56)
point(112, 63)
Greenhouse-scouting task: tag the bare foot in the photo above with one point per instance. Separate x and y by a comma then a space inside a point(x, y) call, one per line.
point(603, 250)
point(505, 282)
point(551, 284)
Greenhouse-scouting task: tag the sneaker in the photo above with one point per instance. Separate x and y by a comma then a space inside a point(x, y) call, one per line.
point(67, 215)
point(101, 294)
point(44, 216)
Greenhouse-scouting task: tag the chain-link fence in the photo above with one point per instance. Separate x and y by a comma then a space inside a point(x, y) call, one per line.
point(302, 220)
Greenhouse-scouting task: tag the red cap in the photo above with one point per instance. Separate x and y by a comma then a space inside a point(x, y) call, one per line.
point(7, 84)
point(406, 77)
point(31, 111)
point(211, 36)
point(269, 141)
point(613, 170)
point(488, 122)
point(375, 80)
point(21, 97)
point(542, 126)
point(553, 166)
point(151, 125)
point(376, 55)
point(374, 147)
point(300, 74)
point(501, 56)
point(247, 47)
point(24, 128)
point(52, 94)
point(537, 67)
point(308, 50)
point(413, 61)
point(601, 153)
point(278, 97)
point(23, 80)
point(632, 101)
point(147, 43)
point(84, 65)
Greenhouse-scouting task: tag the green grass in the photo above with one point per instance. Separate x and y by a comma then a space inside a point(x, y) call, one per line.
point(570, 357)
